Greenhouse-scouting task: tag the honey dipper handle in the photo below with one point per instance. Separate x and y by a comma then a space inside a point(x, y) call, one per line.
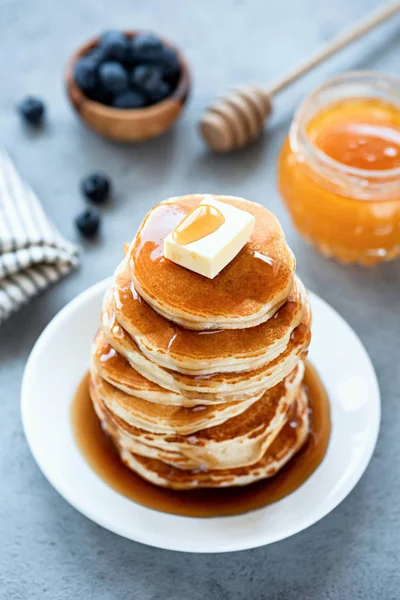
point(336, 44)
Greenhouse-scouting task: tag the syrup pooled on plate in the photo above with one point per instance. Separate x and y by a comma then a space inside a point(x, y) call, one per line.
point(100, 453)
point(200, 222)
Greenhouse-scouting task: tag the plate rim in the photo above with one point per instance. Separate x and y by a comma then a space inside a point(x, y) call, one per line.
point(164, 543)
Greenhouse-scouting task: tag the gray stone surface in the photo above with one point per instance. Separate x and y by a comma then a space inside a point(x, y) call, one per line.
point(47, 549)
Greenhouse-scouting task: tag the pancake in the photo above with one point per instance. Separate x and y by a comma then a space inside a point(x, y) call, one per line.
point(290, 439)
point(163, 418)
point(122, 439)
point(218, 387)
point(203, 352)
point(246, 292)
point(239, 441)
point(197, 381)
point(116, 370)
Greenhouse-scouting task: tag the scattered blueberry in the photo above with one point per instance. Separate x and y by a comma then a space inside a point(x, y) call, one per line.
point(32, 109)
point(96, 187)
point(147, 46)
point(85, 73)
point(113, 76)
point(88, 221)
point(130, 99)
point(114, 44)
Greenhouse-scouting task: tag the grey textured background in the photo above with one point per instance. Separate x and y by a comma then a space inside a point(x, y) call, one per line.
point(47, 549)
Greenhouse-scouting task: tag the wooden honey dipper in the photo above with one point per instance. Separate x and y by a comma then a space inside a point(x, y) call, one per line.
point(238, 118)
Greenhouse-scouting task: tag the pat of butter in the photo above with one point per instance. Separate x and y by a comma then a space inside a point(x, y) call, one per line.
point(210, 254)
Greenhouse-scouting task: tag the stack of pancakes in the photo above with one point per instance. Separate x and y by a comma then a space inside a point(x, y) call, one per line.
point(199, 381)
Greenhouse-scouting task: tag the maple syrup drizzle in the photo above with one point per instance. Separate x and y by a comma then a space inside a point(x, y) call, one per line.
point(101, 455)
point(200, 222)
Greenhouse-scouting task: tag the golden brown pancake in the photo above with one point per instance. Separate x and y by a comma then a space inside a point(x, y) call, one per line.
point(203, 352)
point(164, 418)
point(244, 294)
point(239, 441)
point(289, 440)
point(116, 370)
point(218, 387)
point(198, 381)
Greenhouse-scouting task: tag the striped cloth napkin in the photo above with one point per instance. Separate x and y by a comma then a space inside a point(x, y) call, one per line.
point(33, 254)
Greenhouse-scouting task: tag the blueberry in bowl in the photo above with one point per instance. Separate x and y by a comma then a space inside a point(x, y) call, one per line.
point(128, 86)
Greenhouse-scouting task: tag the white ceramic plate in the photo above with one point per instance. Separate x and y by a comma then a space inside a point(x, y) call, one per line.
point(58, 362)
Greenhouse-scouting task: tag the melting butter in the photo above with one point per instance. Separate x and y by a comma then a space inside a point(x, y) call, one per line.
point(209, 237)
point(200, 222)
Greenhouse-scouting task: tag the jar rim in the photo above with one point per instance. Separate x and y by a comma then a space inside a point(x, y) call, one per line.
point(299, 136)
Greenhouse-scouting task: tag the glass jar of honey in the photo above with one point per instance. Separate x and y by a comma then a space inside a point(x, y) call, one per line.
point(339, 168)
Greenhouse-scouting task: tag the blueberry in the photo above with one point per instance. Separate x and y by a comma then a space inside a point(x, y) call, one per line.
point(130, 57)
point(32, 109)
point(147, 78)
point(85, 73)
point(99, 94)
point(113, 76)
point(97, 55)
point(96, 187)
point(169, 62)
point(147, 45)
point(130, 99)
point(162, 91)
point(88, 222)
point(114, 44)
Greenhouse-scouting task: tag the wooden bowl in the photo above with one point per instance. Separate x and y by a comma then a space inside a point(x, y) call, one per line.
point(128, 125)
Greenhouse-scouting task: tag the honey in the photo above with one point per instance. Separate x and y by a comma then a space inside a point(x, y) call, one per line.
point(360, 133)
point(339, 169)
point(101, 454)
point(201, 221)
